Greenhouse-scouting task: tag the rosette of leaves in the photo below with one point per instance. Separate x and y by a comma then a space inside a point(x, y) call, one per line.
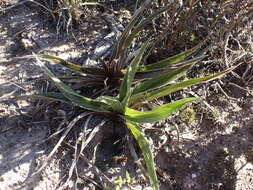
point(133, 93)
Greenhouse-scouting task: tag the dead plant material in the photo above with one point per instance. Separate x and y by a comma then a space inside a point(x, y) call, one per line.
point(68, 129)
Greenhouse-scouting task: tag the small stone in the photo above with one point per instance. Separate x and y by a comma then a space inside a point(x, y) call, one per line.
point(61, 113)
point(15, 170)
point(27, 43)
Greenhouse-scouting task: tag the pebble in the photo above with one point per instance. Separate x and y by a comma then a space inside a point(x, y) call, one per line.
point(27, 43)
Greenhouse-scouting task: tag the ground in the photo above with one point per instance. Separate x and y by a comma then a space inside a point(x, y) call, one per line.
point(207, 145)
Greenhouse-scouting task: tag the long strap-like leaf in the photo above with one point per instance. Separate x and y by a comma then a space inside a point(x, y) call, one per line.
point(74, 97)
point(146, 151)
point(157, 72)
point(85, 70)
point(163, 79)
point(148, 96)
point(121, 44)
point(156, 114)
point(125, 89)
point(171, 60)
point(144, 23)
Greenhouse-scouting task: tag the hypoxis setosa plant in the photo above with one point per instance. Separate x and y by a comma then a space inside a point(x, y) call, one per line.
point(133, 92)
point(137, 83)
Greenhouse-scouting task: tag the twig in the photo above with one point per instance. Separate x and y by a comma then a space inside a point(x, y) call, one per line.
point(221, 89)
point(7, 96)
point(225, 57)
point(15, 5)
point(83, 145)
point(237, 86)
point(70, 126)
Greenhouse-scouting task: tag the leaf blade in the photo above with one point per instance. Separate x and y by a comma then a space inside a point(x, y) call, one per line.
point(112, 102)
point(171, 60)
point(148, 96)
point(47, 96)
point(78, 68)
point(144, 23)
point(125, 88)
point(165, 78)
point(146, 151)
point(74, 97)
point(156, 114)
point(121, 43)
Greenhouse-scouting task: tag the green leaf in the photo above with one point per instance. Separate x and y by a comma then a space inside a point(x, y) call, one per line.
point(80, 81)
point(156, 114)
point(87, 103)
point(171, 60)
point(157, 72)
point(144, 23)
point(112, 102)
point(146, 151)
point(86, 70)
point(125, 89)
point(74, 97)
point(120, 46)
point(163, 79)
point(128, 178)
point(148, 96)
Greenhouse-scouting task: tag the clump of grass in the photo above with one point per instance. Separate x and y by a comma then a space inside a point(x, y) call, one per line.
point(67, 13)
point(218, 21)
point(188, 115)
